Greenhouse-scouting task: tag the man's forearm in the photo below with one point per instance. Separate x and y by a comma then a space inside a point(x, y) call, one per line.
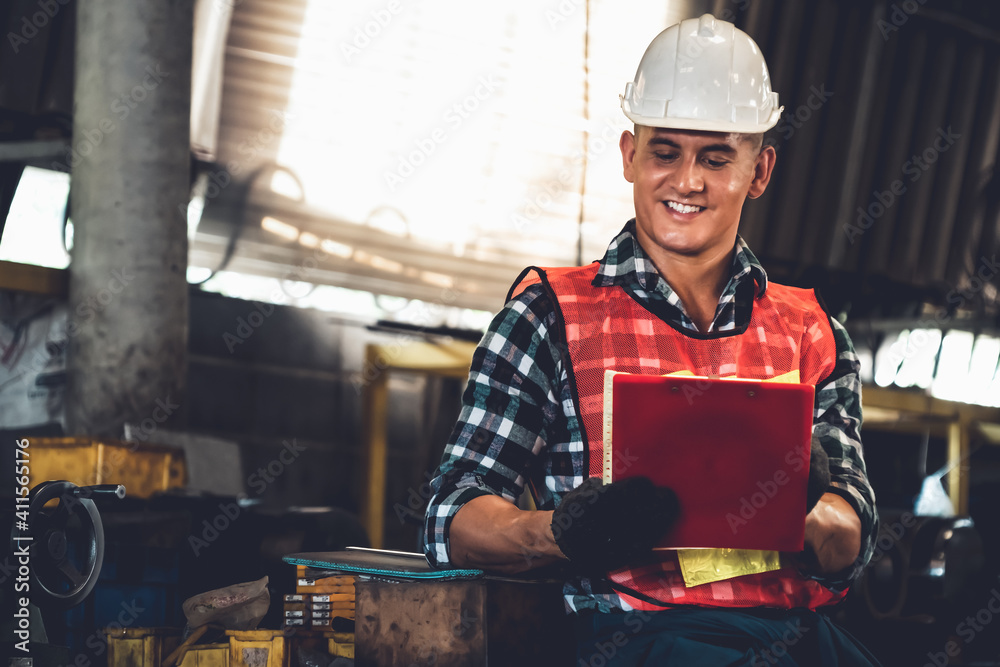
point(491, 533)
point(833, 530)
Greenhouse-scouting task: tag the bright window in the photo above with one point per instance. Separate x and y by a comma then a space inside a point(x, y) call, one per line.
point(34, 229)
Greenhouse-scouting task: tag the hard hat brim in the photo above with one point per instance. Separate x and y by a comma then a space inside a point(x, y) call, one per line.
point(701, 124)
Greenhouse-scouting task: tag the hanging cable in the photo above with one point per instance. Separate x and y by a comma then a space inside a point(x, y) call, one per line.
point(268, 169)
point(586, 130)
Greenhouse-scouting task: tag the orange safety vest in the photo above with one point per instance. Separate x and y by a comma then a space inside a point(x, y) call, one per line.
point(607, 329)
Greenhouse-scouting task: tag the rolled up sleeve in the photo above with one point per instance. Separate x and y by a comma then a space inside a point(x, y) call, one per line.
point(507, 405)
point(837, 424)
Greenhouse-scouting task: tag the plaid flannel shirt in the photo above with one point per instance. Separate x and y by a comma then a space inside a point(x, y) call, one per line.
point(519, 422)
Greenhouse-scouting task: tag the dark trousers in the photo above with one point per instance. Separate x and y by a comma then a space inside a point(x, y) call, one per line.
point(708, 637)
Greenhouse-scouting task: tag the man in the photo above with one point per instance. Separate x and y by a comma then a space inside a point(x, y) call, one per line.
point(679, 288)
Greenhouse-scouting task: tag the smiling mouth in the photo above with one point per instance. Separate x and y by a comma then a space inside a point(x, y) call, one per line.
point(684, 208)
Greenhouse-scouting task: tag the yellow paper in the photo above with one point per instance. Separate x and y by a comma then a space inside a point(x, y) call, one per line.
point(791, 377)
point(703, 566)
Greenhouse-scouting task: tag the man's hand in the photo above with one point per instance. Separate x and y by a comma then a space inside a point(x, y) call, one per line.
point(605, 527)
point(833, 535)
point(597, 527)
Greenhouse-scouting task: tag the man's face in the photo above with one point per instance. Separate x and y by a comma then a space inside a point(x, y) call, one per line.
point(689, 188)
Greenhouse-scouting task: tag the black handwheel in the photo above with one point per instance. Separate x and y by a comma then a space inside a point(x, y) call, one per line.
point(68, 546)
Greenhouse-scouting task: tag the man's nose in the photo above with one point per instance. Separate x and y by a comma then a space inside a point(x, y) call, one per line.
point(687, 176)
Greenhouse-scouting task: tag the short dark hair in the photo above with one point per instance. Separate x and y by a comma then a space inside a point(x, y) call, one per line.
point(755, 139)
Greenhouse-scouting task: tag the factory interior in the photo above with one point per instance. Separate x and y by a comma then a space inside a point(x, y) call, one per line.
point(248, 249)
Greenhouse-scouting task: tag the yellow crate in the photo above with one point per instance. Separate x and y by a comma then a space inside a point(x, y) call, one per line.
point(206, 655)
point(140, 647)
point(143, 469)
point(258, 648)
point(341, 644)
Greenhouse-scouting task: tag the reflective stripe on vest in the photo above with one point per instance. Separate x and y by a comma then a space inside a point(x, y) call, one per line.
point(607, 329)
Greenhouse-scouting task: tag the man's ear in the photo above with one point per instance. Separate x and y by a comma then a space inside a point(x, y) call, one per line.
point(627, 146)
point(762, 168)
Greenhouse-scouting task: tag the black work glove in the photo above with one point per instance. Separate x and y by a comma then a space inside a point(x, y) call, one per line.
point(819, 474)
point(604, 527)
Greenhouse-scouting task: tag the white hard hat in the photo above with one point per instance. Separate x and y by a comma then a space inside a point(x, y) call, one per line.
point(702, 74)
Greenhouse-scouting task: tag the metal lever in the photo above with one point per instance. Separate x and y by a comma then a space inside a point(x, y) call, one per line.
point(117, 490)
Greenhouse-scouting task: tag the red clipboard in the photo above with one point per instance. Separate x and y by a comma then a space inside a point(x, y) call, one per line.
point(736, 453)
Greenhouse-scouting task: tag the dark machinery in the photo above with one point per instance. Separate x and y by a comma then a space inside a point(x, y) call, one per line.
point(68, 546)
point(922, 565)
point(927, 575)
point(66, 550)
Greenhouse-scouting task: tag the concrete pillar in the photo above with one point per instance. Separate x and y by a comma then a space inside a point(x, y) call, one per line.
point(130, 180)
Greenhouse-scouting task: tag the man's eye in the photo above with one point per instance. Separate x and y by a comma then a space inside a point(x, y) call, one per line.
point(715, 163)
point(665, 156)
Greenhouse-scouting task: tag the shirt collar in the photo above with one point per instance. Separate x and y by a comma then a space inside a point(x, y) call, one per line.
point(625, 261)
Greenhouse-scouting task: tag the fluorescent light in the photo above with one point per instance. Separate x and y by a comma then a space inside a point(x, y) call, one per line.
point(337, 249)
point(377, 262)
point(951, 381)
point(309, 240)
point(919, 354)
point(438, 279)
point(888, 359)
point(982, 369)
point(282, 229)
point(992, 396)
